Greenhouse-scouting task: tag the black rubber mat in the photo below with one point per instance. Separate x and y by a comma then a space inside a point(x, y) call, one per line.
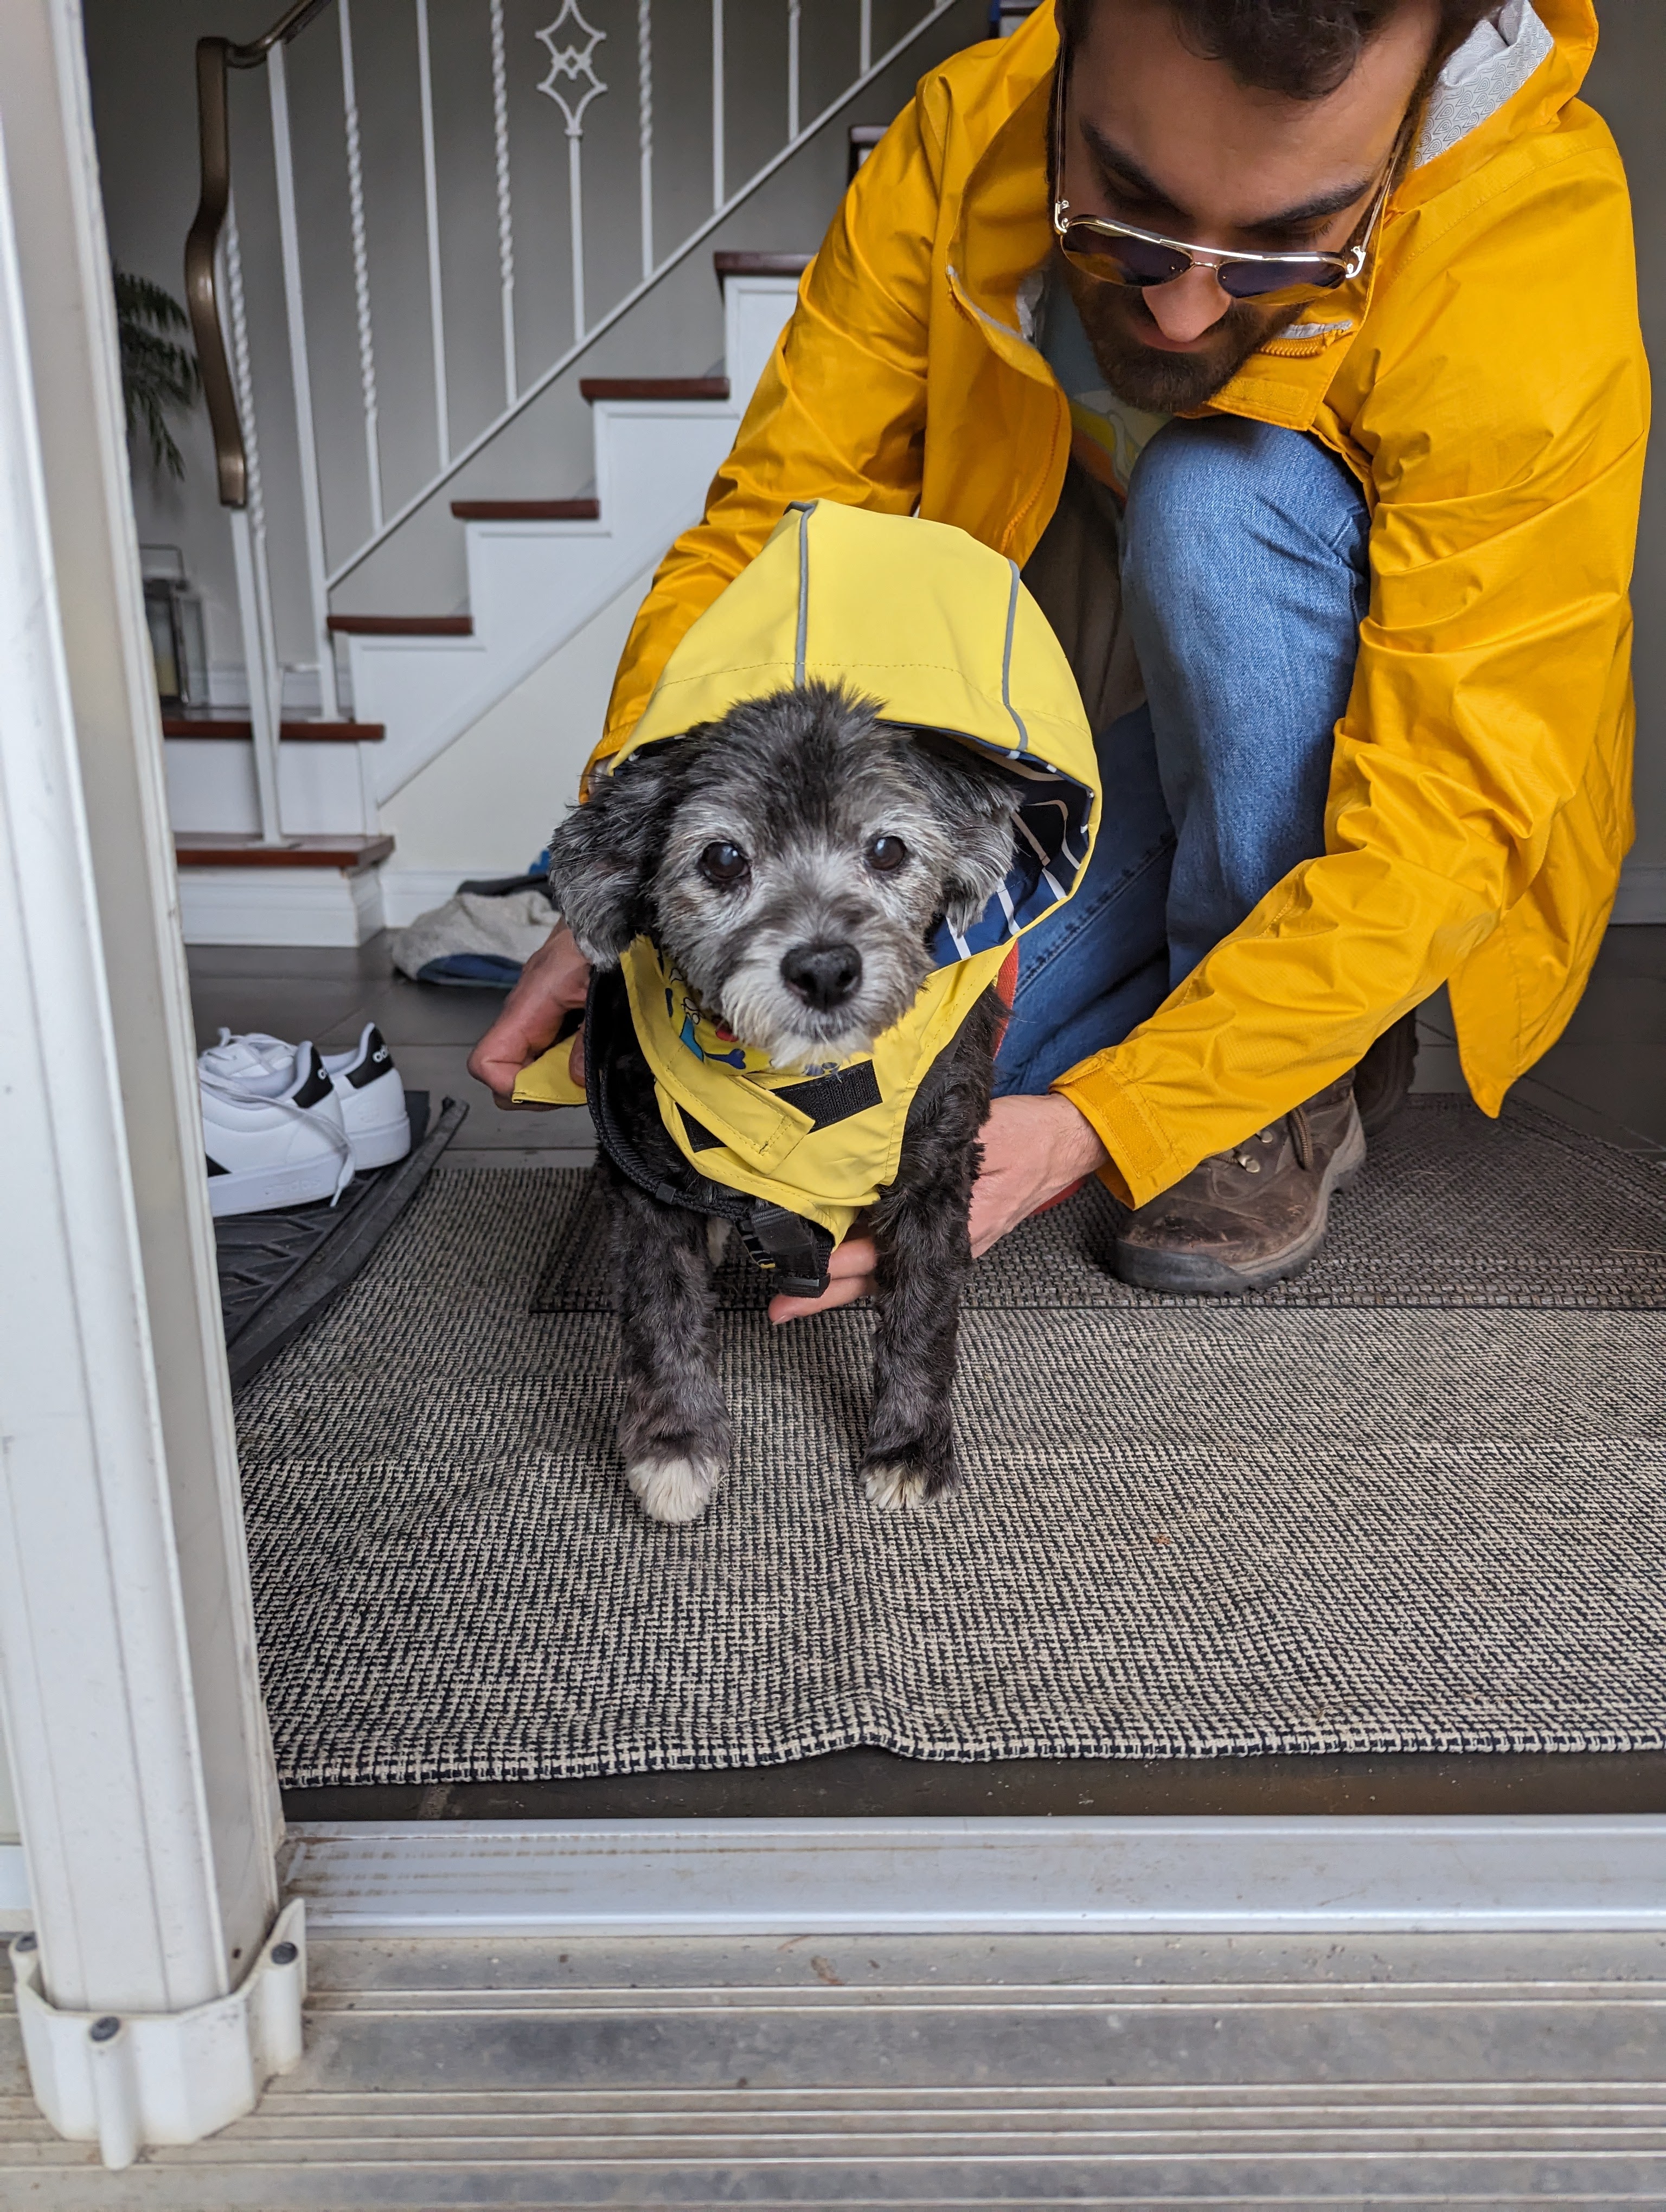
point(279, 1269)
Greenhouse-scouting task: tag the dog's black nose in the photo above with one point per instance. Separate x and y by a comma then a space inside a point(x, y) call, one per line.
point(824, 975)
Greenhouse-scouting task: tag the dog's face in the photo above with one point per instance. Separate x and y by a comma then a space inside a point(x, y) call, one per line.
point(792, 863)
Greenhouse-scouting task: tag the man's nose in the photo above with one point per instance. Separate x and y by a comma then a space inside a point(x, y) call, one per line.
point(1191, 304)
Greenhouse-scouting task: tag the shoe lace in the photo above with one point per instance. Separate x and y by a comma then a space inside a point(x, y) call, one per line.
point(221, 1084)
point(252, 1049)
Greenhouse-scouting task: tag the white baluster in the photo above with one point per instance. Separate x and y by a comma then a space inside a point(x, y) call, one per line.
point(254, 589)
point(865, 55)
point(373, 451)
point(506, 247)
point(792, 30)
point(645, 124)
point(436, 309)
point(577, 62)
point(312, 492)
point(720, 178)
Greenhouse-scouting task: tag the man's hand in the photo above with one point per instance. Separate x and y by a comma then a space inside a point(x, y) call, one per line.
point(553, 982)
point(1033, 1149)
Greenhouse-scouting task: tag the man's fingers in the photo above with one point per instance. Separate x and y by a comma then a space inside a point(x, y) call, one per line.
point(499, 1065)
point(844, 1291)
point(849, 1277)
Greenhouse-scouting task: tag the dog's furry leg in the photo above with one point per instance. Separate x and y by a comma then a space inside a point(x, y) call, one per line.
point(925, 1258)
point(674, 1426)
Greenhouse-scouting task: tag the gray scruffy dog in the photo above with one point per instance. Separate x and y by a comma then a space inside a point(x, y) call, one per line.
point(792, 863)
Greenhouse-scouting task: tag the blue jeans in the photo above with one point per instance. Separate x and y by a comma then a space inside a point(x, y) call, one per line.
point(1244, 581)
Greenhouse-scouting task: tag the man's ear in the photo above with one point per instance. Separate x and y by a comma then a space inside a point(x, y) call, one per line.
point(603, 856)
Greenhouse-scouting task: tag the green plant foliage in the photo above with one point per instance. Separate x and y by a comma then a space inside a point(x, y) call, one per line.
point(159, 376)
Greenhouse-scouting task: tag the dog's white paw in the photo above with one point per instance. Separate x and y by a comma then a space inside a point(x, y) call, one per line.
point(717, 1238)
point(674, 1489)
point(895, 1486)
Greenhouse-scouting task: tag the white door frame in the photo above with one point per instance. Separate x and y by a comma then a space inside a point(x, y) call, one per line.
point(147, 1799)
point(128, 1682)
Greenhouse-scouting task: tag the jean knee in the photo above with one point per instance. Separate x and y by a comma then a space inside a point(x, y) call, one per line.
point(1204, 493)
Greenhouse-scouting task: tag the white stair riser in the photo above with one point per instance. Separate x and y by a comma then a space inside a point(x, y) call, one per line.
point(280, 906)
point(533, 586)
point(323, 789)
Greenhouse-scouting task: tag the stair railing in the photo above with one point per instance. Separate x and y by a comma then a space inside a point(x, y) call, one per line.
point(334, 541)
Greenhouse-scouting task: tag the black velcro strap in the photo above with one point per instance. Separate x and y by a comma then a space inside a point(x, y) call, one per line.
point(793, 1252)
point(830, 1098)
point(700, 1138)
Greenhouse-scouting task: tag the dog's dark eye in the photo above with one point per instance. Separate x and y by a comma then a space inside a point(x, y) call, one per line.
point(886, 854)
point(723, 864)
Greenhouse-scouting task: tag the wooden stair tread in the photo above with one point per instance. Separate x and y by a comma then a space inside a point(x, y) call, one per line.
point(527, 510)
point(655, 387)
point(295, 732)
point(402, 625)
point(217, 848)
point(761, 265)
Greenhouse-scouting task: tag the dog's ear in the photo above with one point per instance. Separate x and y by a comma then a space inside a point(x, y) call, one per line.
point(977, 801)
point(603, 856)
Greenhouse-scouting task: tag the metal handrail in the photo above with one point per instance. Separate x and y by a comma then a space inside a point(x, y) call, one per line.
point(215, 57)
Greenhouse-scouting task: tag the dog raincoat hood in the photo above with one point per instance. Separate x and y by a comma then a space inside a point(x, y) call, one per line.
point(941, 632)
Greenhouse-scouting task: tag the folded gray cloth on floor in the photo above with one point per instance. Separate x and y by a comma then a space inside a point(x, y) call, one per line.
point(507, 928)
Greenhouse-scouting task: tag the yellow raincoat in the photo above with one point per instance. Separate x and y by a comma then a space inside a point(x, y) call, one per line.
point(940, 631)
point(1484, 379)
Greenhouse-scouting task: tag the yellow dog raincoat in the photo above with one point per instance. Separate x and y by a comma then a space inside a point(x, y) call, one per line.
point(940, 631)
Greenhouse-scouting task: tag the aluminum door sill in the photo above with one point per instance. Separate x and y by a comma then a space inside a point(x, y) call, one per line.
point(1101, 1874)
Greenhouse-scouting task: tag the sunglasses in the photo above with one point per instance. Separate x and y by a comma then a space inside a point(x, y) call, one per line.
point(1121, 253)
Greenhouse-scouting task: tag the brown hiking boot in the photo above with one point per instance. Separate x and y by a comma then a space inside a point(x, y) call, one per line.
point(1251, 1215)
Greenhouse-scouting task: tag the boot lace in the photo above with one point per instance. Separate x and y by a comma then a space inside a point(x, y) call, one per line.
point(1301, 1143)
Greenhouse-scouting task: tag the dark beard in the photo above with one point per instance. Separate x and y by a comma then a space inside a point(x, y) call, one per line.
point(1115, 316)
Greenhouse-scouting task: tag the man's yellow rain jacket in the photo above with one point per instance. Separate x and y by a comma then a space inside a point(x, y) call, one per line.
point(1484, 379)
point(940, 632)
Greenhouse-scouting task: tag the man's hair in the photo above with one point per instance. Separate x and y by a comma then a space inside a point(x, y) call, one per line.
point(1302, 48)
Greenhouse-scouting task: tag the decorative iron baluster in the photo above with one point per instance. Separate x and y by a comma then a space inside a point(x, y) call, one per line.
point(372, 451)
point(254, 583)
point(720, 175)
point(437, 306)
point(577, 62)
point(645, 124)
point(506, 247)
point(294, 307)
point(793, 29)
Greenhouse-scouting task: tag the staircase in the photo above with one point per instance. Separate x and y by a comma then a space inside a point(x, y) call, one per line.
point(538, 570)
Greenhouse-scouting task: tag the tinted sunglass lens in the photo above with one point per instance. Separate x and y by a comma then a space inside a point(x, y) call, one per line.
point(1252, 280)
point(1122, 260)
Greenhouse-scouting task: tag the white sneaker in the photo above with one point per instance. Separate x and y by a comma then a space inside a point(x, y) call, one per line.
point(373, 1100)
point(273, 1144)
point(365, 1079)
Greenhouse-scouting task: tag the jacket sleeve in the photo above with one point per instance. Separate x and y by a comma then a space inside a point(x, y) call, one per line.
point(839, 413)
point(1505, 434)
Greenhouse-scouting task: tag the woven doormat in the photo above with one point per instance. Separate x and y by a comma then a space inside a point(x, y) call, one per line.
point(1203, 1531)
point(1454, 1210)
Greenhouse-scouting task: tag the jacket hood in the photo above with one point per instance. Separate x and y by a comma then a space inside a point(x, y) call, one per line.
point(941, 632)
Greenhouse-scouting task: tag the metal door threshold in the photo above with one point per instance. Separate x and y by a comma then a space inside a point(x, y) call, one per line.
point(1099, 1875)
point(846, 2069)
